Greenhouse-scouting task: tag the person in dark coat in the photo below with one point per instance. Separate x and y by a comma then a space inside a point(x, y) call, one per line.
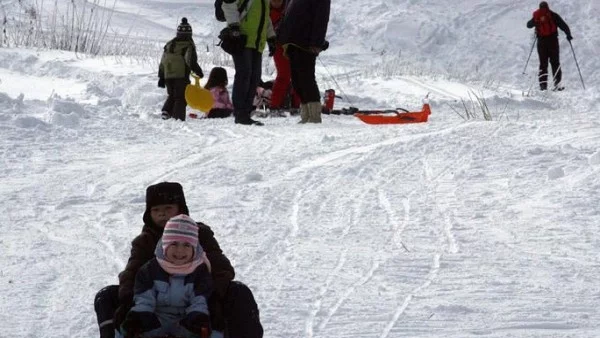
point(178, 60)
point(163, 201)
point(546, 22)
point(302, 34)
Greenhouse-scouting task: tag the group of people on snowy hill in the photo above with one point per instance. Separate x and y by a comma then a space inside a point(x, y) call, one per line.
point(293, 31)
point(177, 281)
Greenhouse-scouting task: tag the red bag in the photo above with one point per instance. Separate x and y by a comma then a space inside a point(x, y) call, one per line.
point(544, 24)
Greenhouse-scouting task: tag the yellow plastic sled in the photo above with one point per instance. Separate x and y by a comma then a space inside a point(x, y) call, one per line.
point(197, 97)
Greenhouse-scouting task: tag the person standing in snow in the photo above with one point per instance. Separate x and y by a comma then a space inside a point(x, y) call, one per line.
point(178, 60)
point(546, 22)
point(231, 302)
point(302, 34)
point(282, 83)
point(171, 291)
point(252, 27)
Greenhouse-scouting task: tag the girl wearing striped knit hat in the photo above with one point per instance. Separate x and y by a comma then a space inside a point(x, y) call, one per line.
point(171, 290)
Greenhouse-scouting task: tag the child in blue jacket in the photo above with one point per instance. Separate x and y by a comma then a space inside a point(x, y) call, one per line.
point(171, 290)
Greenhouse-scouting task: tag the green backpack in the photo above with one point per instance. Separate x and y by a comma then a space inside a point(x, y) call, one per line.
point(174, 59)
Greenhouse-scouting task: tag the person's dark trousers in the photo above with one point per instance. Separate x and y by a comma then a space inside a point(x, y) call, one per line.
point(106, 303)
point(302, 64)
point(217, 113)
point(175, 103)
point(548, 49)
point(248, 68)
point(241, 312)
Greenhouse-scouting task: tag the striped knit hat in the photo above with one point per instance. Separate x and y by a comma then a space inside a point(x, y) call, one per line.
point(181, 228)
point(184, 28)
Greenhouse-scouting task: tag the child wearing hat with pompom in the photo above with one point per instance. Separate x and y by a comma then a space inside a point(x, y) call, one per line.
point(171, 290)
point(179, 58)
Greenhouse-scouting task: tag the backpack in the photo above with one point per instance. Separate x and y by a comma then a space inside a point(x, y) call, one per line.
point(544, 23)
point(173, 59)
point(220, 16)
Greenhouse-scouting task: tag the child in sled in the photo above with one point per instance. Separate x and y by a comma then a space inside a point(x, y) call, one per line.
point(172, 289)
point(217, 84)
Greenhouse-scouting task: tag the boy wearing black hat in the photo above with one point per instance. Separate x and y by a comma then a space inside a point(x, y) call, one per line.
point(163, 201)
point(178, 60)
point(546, 23)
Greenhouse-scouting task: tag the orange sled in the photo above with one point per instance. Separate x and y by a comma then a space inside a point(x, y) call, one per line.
point(394, 116)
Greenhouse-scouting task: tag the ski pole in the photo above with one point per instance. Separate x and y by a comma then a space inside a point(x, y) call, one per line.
point(577, 64)
point(530, 52)
point(334, 80)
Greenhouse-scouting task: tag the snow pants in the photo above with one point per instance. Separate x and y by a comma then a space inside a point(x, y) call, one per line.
point(302, 65)
point(248, 68)
point(548, 50)
point(175, 103)
point(282, 85)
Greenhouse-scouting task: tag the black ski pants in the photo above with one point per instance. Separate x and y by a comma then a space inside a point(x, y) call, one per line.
point(175, 104)
point(548, 50)
point(302, 65)
point(248, 69)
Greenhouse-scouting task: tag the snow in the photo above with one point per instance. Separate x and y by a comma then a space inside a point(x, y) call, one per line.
point(450, 228)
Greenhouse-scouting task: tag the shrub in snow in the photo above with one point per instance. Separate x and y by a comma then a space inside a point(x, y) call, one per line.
point(477, 107)
point(555, 173)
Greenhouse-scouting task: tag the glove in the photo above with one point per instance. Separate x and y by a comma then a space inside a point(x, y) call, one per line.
point(195, 322)
point(161, 82)
point(325, 45)
point(132, 325)
point(272, 46)
point(199, 73)
point(234, 30)
point(569, 38)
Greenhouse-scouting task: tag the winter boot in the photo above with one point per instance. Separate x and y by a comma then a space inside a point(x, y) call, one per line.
point(314, 111)
point(304, 115)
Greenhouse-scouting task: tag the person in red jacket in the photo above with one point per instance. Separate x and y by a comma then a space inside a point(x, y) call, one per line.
point(546, 22)
point(283, 80)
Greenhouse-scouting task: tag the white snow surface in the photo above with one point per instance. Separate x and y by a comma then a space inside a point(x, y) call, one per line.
point(450, 228)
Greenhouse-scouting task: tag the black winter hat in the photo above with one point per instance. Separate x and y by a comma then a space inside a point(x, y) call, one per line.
point(184, 27)
point(164, 193)
point(543, 4)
